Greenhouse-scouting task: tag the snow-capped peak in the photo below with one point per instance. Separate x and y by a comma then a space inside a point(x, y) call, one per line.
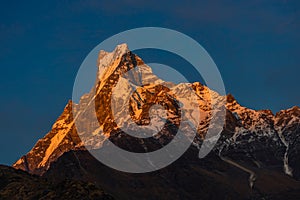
point(247, 126)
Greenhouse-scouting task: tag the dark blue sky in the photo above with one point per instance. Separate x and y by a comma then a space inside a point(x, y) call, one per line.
point(255, 44)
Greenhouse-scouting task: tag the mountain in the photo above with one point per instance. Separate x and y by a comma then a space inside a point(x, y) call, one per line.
point(257, 155)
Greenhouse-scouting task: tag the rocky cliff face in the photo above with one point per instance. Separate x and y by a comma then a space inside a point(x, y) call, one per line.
point(62, 138)
point(249, 139)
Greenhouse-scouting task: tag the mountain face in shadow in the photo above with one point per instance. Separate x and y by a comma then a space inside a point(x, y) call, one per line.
point(186, 178)
point(256, 157)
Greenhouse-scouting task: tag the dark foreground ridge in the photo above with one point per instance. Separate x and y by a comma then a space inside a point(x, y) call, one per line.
point(17, 184)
